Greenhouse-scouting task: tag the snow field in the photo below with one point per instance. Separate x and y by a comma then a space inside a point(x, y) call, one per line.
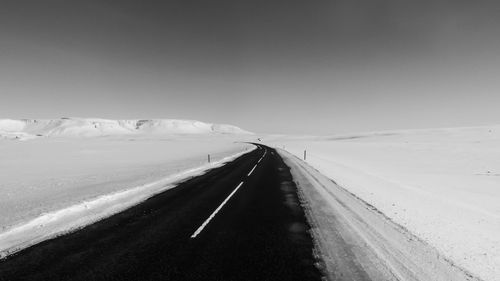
point(352, 234)
point(44, 175)
point(441, 185)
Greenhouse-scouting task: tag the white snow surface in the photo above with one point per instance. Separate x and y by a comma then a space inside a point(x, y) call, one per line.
point(443, 185)
point(93, 127)
point(48, 174)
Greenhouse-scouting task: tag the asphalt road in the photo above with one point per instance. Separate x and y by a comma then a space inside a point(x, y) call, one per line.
point(242, 221)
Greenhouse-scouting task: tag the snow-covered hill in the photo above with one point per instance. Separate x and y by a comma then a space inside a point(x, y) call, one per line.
point(90, 127)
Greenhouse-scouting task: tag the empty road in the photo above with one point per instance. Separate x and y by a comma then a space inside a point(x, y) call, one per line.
point(242, 221)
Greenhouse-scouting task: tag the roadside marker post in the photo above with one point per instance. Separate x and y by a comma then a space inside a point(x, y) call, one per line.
point(305, 154)
point(208, 158)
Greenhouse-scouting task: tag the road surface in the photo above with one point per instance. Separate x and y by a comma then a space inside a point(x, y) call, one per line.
point(242, 221)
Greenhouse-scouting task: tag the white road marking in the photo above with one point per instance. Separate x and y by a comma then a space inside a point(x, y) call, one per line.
point(252, 170)
point(205, 223)
point(200, 229)
point(262, 157)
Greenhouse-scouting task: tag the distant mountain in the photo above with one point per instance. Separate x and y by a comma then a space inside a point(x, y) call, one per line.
point(91, 127)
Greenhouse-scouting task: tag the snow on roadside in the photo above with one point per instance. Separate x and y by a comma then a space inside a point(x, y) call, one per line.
point(44, 175)
point(55, 223)
point(442, 185)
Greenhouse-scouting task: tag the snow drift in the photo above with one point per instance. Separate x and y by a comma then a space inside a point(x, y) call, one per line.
point(89, 127)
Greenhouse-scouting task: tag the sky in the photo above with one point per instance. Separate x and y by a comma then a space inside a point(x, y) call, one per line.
point(286, 66)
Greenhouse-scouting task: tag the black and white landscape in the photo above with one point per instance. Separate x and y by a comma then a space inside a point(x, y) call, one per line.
point(249, 140)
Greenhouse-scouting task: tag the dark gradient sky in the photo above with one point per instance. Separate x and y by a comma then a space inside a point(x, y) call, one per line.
point(315, 67)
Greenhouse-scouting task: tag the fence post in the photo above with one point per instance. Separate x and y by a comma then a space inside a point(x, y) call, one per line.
point(305, 155)
point(208, 158)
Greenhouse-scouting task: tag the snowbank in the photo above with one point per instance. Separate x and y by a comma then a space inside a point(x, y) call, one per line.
point(440, 184)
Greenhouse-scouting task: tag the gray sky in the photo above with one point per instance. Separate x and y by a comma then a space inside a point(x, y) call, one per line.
point(314, 67)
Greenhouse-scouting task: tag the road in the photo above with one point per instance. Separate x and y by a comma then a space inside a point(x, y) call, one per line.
point(242, 221)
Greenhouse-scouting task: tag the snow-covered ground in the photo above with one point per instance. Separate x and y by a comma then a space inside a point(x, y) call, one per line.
point(42, 175)
point(78, 214)
point(67, 160)
point(441, 184)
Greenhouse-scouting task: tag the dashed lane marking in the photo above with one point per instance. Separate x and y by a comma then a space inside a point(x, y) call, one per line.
point(205, 223)
point(252, 170)
point(262, 156)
